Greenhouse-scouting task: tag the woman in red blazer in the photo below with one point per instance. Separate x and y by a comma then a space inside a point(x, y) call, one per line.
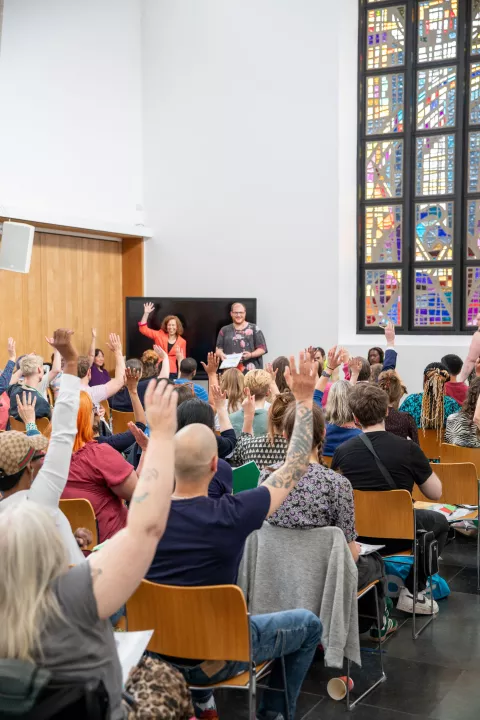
point(168, 337)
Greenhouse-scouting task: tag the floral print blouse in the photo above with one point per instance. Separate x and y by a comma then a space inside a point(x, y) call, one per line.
point(322, 498)
point(250, 338)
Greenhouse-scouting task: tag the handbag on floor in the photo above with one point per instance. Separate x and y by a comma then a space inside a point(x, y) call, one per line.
point(157, 690)
point(397, 569)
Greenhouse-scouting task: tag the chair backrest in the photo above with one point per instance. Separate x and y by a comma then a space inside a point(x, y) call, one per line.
point(106, 407)
point(120, 420)
point(192, 622)
point(245, 477)
point(384, 514)
point(79, 513)
point(457, 454)
point(431, 443)
point(459, 484)
point(17, 425)
point(327, 460)
point(50, 396)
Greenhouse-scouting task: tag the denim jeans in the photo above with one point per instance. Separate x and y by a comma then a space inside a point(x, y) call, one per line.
point(293, 634)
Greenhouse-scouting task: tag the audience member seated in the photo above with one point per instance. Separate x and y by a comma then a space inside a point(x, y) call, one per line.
point(148, 367)
point(99, 375)
point(99, 393)
point(375, 371)
point(5, 378)
point(232, 383)
point(279, 366)
point(396, 422)
point(431, 408)
point(204, 541)
point(323, 498)
point(259, 383)
point(388, 360)
point(60, 621)
point(463, 427)
point(188, 370)
point(398, 463)
point(267, 449)
point(100, 474)
point(36, 381)
point(196, 411)
point(20, 453)
point(453, 388)
point(376, 356)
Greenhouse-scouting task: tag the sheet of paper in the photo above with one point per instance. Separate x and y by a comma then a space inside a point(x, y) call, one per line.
point(231, 361)
point(459, 513)
point(366, 549)
point(130, 648)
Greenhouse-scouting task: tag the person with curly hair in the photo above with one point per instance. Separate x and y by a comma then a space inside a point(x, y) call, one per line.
point(396, 422)
point(431, 408)
point(169, 337)
point(463, 427)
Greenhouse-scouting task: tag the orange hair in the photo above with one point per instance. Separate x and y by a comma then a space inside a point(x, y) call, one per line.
point(84, 422)
point(167, 319)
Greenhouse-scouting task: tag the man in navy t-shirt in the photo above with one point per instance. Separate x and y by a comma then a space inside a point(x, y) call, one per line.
point(204, 541)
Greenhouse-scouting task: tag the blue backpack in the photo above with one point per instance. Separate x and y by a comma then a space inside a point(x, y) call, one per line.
point(397, 568)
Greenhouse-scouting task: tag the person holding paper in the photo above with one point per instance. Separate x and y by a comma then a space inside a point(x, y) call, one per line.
point(242, 337)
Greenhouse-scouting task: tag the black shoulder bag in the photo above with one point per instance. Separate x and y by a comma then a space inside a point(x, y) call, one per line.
point(427, 543)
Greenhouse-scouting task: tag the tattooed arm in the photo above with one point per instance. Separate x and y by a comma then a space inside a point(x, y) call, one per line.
point(120, 565)
point(283, 481)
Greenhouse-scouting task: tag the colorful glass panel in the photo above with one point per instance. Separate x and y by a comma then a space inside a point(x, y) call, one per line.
point(475, 94)
point(383, 233)
point(434, 231)
point(435, 171)
point(384, 112)
point(473, 230)
point(474, 162)
point(433, 297)
point(384, 169)
point(383, 296)
point(473, 295)
point(476, 27)
point(436, 98)
point(385, 37)
point(437, 30)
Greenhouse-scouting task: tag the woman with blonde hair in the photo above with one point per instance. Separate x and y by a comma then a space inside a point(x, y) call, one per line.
point(259, 384)
point(57, 617)
point(396, 422)
point(169, 337)
point(232, 384)
point(340, 423)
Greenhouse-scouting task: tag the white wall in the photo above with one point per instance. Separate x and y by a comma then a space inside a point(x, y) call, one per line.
point(70, 122)
point(240, 150)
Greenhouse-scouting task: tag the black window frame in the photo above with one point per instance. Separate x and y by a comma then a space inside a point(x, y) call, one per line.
point(460, 196)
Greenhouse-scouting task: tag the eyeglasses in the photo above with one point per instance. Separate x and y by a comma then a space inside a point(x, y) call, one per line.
point(237, 312)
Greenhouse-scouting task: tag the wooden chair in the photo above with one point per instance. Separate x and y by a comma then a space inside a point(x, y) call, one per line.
point(19, 425)
point(390, 514)
point(460, 486)
point(211, 623)
point(79, 513)
point(50, 396)
point(106, 407)
point(457, 454)
point(327, 460)
point(431, 443)
point(120, 420)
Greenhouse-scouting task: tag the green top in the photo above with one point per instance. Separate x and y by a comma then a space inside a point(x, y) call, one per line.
point(260, 422)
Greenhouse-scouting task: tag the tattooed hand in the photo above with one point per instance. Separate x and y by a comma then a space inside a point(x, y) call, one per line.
point(302, 382)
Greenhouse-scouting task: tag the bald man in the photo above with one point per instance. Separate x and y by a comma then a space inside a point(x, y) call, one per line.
point(204, 541)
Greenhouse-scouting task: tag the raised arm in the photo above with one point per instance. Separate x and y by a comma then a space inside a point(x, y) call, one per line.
point(274, 391)
point(211, 368)
point(165, 369)
point(120, 565)
point(283, 481)
point(116, 384)
point(220, 406)
point(52, 478)
point(56, 366)
point(334, 360)
point(132, 378)
point(91, 349)
point(6, 376)
point(473, 354)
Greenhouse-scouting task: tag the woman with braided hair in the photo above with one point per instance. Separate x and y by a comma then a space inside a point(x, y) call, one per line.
point(431, 408)
point(463, 428)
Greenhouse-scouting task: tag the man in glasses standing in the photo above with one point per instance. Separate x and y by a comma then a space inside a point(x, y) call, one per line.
point(242, 337)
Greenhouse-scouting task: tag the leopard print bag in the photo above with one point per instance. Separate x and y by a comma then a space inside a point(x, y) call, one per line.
point(158, 691)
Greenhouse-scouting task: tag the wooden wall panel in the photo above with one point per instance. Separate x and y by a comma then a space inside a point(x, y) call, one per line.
point(73, 282)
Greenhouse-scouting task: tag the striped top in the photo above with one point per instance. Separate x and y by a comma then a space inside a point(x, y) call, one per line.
point(461, 430)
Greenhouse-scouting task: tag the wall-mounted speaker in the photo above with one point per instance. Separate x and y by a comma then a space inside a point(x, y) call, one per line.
point(16, 247)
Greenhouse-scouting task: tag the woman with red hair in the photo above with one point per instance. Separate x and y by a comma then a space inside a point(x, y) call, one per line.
point(100, 474)
point(169, 337)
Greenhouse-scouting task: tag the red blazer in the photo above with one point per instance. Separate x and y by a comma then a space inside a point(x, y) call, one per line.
point(160, 337)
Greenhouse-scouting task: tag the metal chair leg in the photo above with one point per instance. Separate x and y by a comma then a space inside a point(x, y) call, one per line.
point(252, 693)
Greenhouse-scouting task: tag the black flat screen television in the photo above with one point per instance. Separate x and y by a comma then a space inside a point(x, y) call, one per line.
point(202, 319)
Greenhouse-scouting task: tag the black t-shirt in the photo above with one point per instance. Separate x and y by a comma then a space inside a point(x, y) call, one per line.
point(403, 459)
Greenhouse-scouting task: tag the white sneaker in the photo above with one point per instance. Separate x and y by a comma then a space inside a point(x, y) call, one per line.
point(423, 605)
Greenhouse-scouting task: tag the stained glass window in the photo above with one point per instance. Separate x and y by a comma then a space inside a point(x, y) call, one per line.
point(384, 104)
point(434, 231)
point(383, 233)
point(419, 165)
point(435, 165)
point(433, 297)
point(473, 295)
point(436, 93)
point(386, 37)
point(383, 299)
point(437, 30)
point(384, 166)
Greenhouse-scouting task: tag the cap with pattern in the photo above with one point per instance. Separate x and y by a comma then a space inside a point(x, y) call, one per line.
point(17, 449)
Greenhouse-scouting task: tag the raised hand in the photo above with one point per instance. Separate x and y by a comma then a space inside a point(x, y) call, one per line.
point(11, 349)
point(390, 333)
point(356, 366)
point(83, 536)
point(344, 356)
point(272, 372)
point(94, 333)
point(179, 355)
point(213, 361)
point(26, 407)
point(303, 379)
point(163, 355)
point(248, 403)
point(334, 358)
point(62, 341)
point(115, 344)
point(131, 379)
point(219, 398)
point(161, 408)
point(148, 308)
point(140, 437)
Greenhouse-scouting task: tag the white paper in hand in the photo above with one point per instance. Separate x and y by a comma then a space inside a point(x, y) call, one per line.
point(130, 648)
point(231, 361)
